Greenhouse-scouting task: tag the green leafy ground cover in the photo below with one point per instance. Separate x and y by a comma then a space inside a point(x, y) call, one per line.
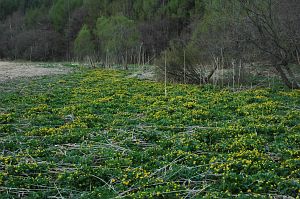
point(100, 134)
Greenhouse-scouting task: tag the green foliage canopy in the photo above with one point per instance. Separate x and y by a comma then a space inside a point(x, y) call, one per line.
point(61, 10)
point(83, 45)
point(117, 33)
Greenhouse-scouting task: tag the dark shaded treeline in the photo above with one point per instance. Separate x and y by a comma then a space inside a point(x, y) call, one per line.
point(48, 29)
point(195, 37)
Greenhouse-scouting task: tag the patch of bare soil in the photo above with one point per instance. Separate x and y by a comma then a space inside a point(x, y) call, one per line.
point(14, 70)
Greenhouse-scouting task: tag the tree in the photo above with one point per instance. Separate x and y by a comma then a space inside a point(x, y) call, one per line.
point(35, 18)
point(274, 29)
point(190, 55)
point(12, 26)
point(61, 10)
point(83, 45)
point(39, 45)
point(96, 8)
point(7, 7)
point(74, 25)
point(119, 37)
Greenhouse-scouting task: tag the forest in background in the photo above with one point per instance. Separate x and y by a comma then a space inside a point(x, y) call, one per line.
point(195, 38)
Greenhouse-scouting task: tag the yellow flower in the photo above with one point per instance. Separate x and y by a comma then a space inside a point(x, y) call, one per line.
point(126, 183)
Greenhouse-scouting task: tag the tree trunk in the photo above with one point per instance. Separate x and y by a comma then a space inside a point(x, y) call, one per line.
point(207, 79)
point(292, 77)
point(285, 78)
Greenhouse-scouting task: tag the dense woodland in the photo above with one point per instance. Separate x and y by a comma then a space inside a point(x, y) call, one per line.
point(190, 35)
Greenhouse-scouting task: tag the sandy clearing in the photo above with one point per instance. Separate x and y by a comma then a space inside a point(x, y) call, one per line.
point(14, 70)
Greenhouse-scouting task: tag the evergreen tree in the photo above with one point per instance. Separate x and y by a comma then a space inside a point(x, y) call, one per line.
point(83, 45)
